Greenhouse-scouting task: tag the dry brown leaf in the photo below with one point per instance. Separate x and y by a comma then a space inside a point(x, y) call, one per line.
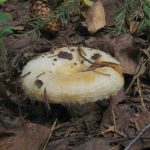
point(61, 144)
point(28, 137)
point(95, 18)
point(121, 47)
point(18, 43)
point(111, 7)
point(94, 144)
point(129, 59)
point(19, 28)
point(128, 121)
point(134, 23)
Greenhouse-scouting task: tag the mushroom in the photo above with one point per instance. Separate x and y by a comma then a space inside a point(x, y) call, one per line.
point(72, 76)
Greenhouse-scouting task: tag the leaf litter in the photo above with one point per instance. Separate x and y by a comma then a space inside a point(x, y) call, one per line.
point(113, 126)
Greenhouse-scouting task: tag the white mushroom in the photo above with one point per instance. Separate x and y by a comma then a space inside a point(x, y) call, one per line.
point(72, 75)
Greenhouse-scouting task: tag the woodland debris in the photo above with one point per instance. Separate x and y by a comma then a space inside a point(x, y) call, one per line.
point(147, 127)
point(43, 10)
point(133, 23)
point(95, 18)
point(29, 137)
point(143, 107)
point(94, 144)
point(87, 3)
point(127, 121)
point(49, 136)
point(122, 47)
point(60, 144)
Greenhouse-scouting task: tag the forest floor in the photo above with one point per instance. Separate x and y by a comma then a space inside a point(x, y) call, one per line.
point(28, 125)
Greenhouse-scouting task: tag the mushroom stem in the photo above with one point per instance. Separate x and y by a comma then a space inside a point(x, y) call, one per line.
point(76, 110)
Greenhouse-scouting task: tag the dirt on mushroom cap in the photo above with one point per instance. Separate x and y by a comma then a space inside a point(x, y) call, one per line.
point(71, 80)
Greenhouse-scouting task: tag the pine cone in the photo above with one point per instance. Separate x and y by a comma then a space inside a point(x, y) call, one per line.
point(52, 26)
point(42, 9)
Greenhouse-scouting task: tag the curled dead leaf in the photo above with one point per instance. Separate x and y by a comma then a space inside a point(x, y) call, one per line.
point(28, 137)
point(95, 18)
point(133, 23)
point(60, 144)
point(122, 47)
point(94, 144)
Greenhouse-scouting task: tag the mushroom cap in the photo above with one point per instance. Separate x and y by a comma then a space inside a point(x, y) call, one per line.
point(70, 75)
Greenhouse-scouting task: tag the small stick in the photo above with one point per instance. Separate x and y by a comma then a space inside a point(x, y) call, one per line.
point(141, 97)
point(19, 107)
point(23, 76)
point(126, 139)
point(3, 73)
point(40, 74)
point(46, 99)
point(135, 123)
point(103, 64)
point(101, 73)
point(109, 129)
point(97, 71)
point(52, 56)
point(113, 130)
point(120, 133)
point(138, 136)
point(114, 120)
point(68, 132)
point(137, 74)
point(43, 147)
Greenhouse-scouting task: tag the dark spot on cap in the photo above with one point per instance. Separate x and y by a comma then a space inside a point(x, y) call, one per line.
point(65, 55)
point(72, 50)
point(55, 59)
point(82, 61)
point(96, 56)
point(38, 83)
point(75, 64)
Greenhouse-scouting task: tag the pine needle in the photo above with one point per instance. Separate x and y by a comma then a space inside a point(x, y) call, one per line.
point(3, 54)
point(62, 12)
point(4, 30)
point(126, 10)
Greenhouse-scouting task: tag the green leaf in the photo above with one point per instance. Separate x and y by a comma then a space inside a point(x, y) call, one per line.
point(4, 17)
point(2, 1)
point(147, 21)
point(87, 3)
point(146, 10)
point(3, 54)
point(6, 30)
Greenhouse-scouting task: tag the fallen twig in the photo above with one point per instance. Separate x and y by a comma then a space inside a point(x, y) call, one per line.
point(114, 119)
point(46, 100)
point(99, 64)
point(126, 139)
point(43, 147)
point(138, 136)
point(140, 94)
point(137, 74)
point(112, 130)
